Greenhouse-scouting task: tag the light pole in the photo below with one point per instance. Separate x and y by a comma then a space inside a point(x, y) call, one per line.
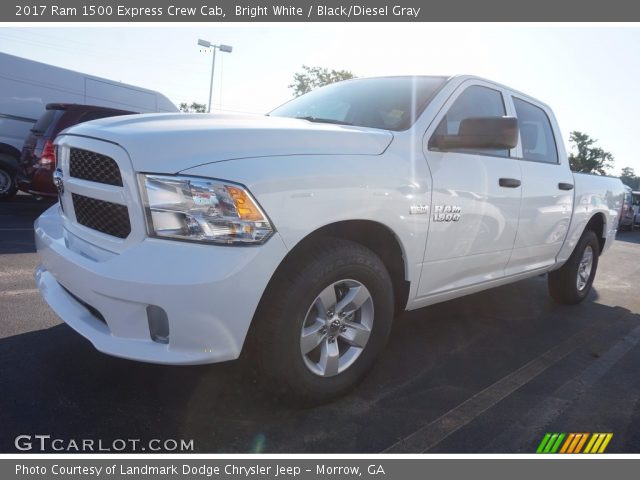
point(222, 48)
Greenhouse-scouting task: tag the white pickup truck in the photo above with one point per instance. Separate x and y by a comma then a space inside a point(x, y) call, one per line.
point(295, 237)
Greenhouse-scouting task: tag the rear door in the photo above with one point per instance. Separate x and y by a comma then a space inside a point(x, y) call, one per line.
point(547, 189)
point(474, 218)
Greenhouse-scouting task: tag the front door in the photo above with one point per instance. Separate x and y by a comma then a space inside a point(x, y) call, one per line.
point(475, 200)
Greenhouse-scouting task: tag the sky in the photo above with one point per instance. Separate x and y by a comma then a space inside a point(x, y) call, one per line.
point(589, 75)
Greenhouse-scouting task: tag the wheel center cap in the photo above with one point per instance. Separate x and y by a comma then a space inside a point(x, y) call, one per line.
point(335, 325)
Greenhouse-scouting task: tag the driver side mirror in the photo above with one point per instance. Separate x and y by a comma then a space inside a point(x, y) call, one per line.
point(477, 133)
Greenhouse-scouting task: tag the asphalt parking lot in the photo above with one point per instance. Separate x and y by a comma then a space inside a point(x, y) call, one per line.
point(492, 372)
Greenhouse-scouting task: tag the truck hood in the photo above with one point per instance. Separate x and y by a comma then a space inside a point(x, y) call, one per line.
point(169, 143)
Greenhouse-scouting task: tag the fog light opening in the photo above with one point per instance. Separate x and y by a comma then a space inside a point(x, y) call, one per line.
point(158, 324)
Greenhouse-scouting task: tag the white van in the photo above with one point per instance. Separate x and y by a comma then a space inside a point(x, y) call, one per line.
point(26, 87)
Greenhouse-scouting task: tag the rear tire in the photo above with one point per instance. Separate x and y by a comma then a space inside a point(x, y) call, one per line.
point(571, 283)
point(8, 187)
point(337, 296)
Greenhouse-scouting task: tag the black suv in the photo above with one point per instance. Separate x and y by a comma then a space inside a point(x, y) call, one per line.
point(38, 160)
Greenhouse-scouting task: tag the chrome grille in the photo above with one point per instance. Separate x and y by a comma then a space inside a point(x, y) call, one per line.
point(94, 167)
point(105, 217)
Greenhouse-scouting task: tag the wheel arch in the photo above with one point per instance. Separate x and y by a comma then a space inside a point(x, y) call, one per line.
point(11, 151)
point(371, 234)
point(597, 224)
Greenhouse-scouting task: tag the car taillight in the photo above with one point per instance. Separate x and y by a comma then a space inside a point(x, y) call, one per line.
point(48, 157)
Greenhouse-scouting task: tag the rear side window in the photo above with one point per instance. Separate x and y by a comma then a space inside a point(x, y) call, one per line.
point(45, 121)
point(475, 101)
point(536, 135)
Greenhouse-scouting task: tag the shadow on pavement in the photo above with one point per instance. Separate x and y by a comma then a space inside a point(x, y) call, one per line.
point(630, 237)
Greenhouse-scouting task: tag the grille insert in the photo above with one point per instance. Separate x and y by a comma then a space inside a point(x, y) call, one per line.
point(94, 167)
point(105, 217)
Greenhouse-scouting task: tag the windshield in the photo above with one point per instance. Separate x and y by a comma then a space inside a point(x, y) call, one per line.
point(390, 103)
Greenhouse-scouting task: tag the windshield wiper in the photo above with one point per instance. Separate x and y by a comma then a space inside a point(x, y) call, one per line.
point(324, 120)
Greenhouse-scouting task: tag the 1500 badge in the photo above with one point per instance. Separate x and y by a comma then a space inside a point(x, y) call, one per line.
point(446, 213)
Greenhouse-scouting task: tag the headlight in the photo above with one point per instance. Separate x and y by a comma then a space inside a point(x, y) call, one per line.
point(203, 210)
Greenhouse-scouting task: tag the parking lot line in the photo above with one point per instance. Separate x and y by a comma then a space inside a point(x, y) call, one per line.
point(430, 435)
point(24, 291)
point(22, 272)
point(562, 400)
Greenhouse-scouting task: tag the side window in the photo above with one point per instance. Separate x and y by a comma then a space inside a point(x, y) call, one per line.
point(475, 101)
point(538, 142)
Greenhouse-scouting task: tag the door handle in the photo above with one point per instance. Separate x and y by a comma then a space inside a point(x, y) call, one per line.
point(509, 182)
point(565, 186)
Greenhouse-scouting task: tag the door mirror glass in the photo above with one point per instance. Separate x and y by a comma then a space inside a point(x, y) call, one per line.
point(479, 133)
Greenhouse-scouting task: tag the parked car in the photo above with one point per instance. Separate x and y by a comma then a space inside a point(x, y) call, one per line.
point(627, 211)
point(26, 87)
point(635, 202)
point(38, 159)
point(295, 237)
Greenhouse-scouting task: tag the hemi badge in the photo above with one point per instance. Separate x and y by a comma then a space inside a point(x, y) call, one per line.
point(418, 209)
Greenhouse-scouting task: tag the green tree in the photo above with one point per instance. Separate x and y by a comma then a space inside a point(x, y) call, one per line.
point(628, 177)
point(587, 157)
point(193, 108)
point(313, 77)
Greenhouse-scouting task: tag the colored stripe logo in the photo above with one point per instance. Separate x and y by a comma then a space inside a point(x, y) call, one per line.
point(574, 443)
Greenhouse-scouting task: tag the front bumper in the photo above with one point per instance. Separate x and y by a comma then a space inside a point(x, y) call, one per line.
point(209, 293)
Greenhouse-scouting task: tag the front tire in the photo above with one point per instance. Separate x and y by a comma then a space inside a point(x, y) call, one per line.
point(321, 326)
point(571, 283)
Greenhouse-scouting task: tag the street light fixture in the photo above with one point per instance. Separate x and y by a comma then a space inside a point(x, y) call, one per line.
point(222, 48)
